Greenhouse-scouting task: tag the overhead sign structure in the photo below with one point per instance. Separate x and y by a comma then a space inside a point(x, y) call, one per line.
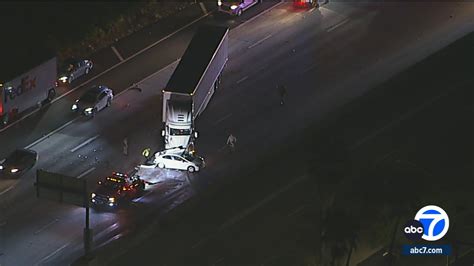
point(65, 189)
point(61, 188)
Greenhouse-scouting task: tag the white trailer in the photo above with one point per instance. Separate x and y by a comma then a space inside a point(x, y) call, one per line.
point(192, 85)
point(27, 90)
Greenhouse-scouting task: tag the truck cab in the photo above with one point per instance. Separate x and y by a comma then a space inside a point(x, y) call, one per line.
point(236, 7)
point(178, 130)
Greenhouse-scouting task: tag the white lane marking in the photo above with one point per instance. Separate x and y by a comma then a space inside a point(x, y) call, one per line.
point(116, 52)
point(85, 173)
point(85, 143)
point(52, 254)
point(398, 120)
point(260, 41)
point(219, 260)
point(106, 231)
point(331, 28)
point(106, 71)
point(242, 79)
point(200, 242)
point(147, 78)
point(222, 119)
point(203, 7)
point(300, 208)
point(142, 197)
point(51, 133)
point(46, 226)
point(249, 210)
point(8, 189)
point(257, 16)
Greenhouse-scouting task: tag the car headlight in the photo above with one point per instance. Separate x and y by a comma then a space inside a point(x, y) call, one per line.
point(88, 110)
point(63, 79)
point(1, 167)
point(14, 170)
point(93, 195)
point(112, 200)
point(74, 107)
point(219, 3)
point(233, 7)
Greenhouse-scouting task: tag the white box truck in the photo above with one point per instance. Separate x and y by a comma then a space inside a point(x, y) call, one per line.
point(21, 92)
point(192, 85)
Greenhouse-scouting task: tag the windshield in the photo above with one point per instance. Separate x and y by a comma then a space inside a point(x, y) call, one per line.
point(179, 132)
point(111, 184)
point(189, 157)
point(17, 157)
point(89, 97)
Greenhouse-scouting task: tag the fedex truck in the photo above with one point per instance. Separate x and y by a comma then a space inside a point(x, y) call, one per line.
point(192, 85)
point(27, 90)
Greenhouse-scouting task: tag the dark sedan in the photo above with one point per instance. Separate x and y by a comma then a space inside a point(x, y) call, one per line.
point(17, 163)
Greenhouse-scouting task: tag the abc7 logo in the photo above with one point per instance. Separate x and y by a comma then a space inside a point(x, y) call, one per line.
point(413, 230)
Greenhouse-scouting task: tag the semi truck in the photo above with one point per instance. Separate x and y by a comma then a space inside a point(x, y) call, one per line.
point(192, 85)
point(32, 88)
point(236, 7)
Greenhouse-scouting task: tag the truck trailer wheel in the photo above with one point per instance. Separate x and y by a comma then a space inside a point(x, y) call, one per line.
point(51, 95)
point(5, 119)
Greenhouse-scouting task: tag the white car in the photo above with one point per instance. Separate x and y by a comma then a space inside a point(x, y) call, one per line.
point(93, 100)
point(179, 161)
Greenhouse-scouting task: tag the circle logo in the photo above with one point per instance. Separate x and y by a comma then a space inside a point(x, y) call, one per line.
point(413, 230)
point(435, 222)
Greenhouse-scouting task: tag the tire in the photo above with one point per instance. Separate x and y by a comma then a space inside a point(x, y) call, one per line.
point(161, 165)
point(191, 169)
point(94, 112)
point(5, 119)
point(51, 95)
point(109, 102)
point(87, 71)
point(70, 79)
point(239, 12)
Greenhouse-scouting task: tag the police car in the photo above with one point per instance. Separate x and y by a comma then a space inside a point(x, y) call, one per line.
point(116, 189)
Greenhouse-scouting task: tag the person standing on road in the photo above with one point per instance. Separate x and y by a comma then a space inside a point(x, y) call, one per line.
point(282, 92)
point(125, 146)
point(146, 153)
point(231, 140)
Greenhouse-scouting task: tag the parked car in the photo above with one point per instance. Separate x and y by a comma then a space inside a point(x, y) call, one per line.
point(93, 100)
point(184, 161)
point(17, 163)
point(73, 69)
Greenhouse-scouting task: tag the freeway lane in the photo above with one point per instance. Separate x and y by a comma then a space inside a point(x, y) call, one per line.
point(250, 110)
point(119, 78)
point(258, 135)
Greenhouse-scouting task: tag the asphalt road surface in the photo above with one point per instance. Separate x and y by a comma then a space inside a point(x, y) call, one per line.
point(325, 58)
